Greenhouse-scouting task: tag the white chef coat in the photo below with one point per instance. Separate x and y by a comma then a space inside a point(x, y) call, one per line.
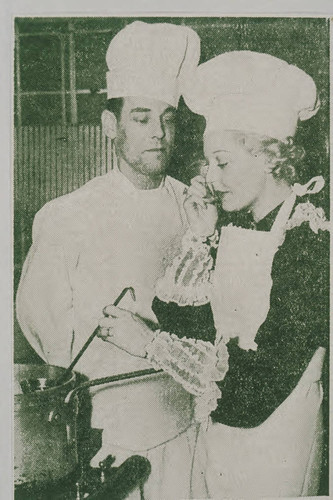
point(87, 246)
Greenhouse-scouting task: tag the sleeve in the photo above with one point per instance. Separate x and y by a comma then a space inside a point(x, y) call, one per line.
point(297, 324)
point(187, 280)
point(182, 305)
point(195, 364)
point(44, 298)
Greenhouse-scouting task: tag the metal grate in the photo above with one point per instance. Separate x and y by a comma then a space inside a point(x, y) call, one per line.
point(51, 161)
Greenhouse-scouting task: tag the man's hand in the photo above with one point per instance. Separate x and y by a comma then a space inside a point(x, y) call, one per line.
point(200, 208)
point(125, 330)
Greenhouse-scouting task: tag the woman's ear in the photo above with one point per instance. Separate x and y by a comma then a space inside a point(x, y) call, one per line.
point(109, 124)
point(268, 167)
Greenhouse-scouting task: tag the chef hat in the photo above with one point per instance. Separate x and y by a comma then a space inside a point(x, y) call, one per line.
point(151, 60)
point(252, 92)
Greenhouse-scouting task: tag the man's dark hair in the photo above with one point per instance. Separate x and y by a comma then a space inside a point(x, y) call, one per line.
point(115, 105)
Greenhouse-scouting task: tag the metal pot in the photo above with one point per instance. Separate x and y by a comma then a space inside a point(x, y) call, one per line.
point(44, 427)
point(45, 423)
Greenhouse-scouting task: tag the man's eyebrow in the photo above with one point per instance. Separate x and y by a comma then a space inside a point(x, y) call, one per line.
point(140, 110)
point(170, 109)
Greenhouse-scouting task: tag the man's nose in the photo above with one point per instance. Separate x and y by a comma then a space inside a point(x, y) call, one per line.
point(158, 129)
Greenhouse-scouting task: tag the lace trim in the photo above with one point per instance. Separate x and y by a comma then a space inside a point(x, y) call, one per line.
point(187, 279)
point(307, 212)
point(206, 403)
point(195, 364)
point(192, 363)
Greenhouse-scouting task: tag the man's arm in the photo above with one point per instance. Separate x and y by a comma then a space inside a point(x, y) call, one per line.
point(44, 297)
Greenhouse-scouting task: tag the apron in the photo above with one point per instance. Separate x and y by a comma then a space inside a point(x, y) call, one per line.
point(280, 457)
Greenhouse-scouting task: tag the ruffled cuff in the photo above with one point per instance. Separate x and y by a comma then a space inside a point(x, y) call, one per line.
point(187, 279)
point(195, 364)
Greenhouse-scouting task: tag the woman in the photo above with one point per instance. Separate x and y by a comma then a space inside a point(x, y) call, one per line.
point(268, 286)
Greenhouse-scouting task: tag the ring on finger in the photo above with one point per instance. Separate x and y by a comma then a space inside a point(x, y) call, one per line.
point(106, 332)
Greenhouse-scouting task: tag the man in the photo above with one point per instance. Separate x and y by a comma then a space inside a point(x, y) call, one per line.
point(118, 230)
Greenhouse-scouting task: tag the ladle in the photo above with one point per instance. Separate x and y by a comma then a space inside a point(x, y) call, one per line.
point(92, 336)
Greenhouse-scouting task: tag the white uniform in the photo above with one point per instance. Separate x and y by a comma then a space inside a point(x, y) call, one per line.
point(87, 246)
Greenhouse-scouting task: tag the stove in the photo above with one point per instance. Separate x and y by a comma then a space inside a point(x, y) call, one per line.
point(102, 483)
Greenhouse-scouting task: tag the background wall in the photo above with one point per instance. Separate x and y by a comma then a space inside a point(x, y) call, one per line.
point(60, 94)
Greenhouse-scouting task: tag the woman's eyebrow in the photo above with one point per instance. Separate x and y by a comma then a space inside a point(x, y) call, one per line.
point(221, 151)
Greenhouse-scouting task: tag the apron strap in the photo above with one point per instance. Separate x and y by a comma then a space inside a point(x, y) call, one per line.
point(314, 185)
point(317, 184)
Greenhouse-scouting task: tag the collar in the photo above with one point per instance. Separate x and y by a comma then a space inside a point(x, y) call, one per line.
point(128, 187)
point(244, 219)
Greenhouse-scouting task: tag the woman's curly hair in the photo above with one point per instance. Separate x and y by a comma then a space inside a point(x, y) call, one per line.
point(285, 158)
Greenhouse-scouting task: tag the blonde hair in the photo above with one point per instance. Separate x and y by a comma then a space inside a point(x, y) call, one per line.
point(284, 157)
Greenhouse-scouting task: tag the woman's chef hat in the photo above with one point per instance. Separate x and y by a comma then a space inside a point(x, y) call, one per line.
point(151, 60)
point(252, 92)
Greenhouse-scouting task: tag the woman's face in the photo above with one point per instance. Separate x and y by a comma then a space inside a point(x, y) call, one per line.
point(238, 177)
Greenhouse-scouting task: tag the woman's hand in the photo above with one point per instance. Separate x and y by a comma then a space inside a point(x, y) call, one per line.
point(125, 330)
point(200, 208)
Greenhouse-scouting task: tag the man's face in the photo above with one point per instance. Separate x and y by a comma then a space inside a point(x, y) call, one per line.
point(145, 134)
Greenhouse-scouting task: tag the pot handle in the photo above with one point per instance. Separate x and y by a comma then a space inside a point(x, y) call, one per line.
point(110, 379)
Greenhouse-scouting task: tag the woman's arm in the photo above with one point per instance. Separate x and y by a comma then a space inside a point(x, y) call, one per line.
point(193, 363)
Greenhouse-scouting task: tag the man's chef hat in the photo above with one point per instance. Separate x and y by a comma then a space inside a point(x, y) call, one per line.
point(151, 60)
point(252, 92)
